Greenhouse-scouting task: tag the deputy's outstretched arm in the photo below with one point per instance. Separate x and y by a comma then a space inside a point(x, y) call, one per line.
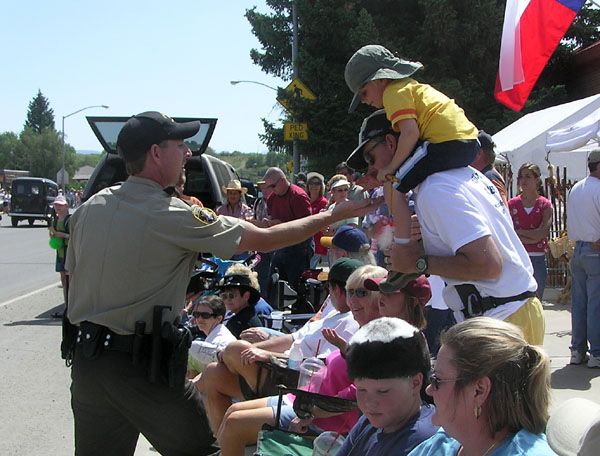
point(296, 231)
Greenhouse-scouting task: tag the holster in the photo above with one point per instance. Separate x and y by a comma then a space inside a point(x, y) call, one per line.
point(177, 341)
point(91, 337)
point(69, 339)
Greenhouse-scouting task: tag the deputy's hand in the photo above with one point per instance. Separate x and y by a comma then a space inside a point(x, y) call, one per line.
point(254, 335)
point(252, 355)
point(403, 257)
point(349, 209)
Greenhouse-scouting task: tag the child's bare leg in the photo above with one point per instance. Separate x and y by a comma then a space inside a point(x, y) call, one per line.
point(398, 207)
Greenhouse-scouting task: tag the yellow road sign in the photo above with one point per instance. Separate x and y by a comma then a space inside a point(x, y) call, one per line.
point(295, 131)
point(297, 89)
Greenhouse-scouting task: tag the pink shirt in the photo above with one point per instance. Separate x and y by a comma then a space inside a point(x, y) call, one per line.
point(336, 383)
point(524, 221)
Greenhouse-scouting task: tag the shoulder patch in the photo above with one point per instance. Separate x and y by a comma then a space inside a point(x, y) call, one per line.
point(204, 215)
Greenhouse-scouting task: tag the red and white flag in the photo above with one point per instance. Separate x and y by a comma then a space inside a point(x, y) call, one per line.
point(532, 30)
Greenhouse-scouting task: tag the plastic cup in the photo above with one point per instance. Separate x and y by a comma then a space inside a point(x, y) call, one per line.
point(312, 371)
point(327, 444)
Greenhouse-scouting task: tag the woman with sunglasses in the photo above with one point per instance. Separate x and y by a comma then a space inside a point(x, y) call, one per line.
point(240, 293)
point(491, 391)
point(244, 420)
point(208, 314)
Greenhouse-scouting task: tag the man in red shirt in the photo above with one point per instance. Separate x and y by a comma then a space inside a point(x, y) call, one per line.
point(288, 202)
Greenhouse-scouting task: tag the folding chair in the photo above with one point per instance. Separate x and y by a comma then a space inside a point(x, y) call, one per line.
point(273, 441)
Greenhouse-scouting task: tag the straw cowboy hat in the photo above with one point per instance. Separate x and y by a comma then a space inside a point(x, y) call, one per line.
point(235, 185)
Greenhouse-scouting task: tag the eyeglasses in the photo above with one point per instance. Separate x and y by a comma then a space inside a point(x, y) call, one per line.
point(273, 185)
point(367, 152)
point(435, 382)
point(203, 315)
point(228, 295)
point(359, 292)
point(340, 189)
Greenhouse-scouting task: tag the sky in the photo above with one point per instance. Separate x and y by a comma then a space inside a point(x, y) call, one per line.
point(177, 57)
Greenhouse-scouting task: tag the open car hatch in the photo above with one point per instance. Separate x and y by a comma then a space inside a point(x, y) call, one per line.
point(107, 130)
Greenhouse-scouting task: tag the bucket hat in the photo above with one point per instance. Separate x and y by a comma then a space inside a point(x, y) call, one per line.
point(375, 62)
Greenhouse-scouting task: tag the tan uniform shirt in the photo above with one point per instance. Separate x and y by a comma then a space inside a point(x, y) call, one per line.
point(133, 247)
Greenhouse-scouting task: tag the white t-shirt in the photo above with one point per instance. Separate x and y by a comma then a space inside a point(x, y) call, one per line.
point(583, 210)
point(307, 338)
point(203, 352)
point(459, 206)
point(437, 288)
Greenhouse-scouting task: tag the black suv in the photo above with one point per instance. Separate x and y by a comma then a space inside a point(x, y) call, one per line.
point(205, 174)
point(32, 199)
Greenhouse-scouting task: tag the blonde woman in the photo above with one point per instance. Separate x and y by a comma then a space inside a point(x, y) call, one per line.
point(491, 391)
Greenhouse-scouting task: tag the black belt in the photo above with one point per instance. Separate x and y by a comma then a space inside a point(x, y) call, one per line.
point(109, 340)
point(490, 302)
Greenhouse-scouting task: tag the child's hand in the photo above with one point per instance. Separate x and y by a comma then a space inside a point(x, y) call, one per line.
point(386, 174)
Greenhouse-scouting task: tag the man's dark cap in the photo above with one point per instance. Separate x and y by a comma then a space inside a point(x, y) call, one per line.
point(486, 141)
point(143, 130)
point(374, 126)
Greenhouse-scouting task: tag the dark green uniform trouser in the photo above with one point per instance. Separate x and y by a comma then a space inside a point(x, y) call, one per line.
point(113, 402)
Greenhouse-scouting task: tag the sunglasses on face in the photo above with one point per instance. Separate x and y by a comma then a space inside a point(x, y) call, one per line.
point(228, 295)
point(435, 382)
point(273, 185)
point(359, 293)
point(203, 315)
point(367, 153)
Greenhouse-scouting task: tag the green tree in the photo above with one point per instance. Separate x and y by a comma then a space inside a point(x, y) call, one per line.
point(9, 145)
point(39, 114)
point(40, 153)
point(458, 42)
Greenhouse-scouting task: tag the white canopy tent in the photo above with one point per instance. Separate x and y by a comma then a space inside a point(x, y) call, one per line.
point(563, 132)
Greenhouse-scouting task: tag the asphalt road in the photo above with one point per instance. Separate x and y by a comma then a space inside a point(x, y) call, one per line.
point(26, 259)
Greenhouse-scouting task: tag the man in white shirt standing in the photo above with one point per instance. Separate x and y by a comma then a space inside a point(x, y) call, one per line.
point(468, 239)
point(583, 226)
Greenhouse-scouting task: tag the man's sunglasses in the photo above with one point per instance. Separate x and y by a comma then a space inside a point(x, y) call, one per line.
point(203, 315)
point(273, 185)
point(367, 153)
point(359, 292)
point(227, 295)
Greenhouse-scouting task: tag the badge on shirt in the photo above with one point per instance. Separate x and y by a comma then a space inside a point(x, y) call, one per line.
point(204, 215)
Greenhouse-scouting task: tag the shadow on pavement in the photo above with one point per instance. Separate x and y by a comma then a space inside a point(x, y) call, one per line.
point(574, 377)
point(51, 317)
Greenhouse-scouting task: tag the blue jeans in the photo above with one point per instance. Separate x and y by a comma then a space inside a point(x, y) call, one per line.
point(540, 272)
point(585, 299)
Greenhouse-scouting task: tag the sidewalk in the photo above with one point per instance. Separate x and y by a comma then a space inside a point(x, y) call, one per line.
point(567, 381)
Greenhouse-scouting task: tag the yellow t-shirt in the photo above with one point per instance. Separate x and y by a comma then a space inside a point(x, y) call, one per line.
point(438, 117)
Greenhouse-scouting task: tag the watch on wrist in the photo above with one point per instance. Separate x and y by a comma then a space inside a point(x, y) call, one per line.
point(422, 264)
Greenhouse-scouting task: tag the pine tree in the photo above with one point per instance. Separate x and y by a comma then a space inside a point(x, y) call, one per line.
point(39, 114)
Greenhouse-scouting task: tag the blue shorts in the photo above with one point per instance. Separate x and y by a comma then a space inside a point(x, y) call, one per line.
point(59, 265)
point(287, 410)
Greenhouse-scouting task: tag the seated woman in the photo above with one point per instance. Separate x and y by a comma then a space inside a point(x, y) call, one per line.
point(207, 314)
point(388, 361)
point(491, 391)
point(243, 420)
point(240, 292)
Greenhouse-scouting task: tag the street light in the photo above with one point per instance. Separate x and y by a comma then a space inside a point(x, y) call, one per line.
point(62, 175)
point(254, 82)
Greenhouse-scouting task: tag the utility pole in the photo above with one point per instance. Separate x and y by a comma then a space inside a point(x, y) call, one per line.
point(295, 149)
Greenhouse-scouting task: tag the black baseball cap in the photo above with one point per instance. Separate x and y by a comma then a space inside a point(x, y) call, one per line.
point(486, 141)
point(374, 126)
point(143, 130)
